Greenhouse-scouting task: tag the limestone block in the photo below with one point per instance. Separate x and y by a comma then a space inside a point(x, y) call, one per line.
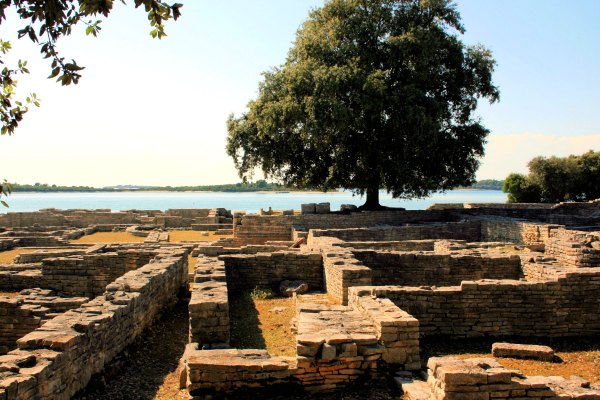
point(323, 208)
point(328, 352)
point(514, 350)
point(309, 208)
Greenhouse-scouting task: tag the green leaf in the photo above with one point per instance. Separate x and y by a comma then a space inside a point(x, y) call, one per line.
point(54, 73)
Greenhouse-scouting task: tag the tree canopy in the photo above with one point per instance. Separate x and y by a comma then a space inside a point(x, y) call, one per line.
point(556, 179)
point(373, 94)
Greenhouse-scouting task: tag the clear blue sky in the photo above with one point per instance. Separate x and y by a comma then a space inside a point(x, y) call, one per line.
point(153, 112)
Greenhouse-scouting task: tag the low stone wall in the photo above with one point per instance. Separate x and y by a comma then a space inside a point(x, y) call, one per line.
point(484, 378)
point(57, 360)
point(209, 305)
point(416, 269)
point(22, 314)
point(447, 246)
point(515, 231)
point(403, 245)
point(465, 230)
point(567, 306)
point(255, 229)
point(22, 219)
point(214, 250)
point(575, 248)
point(173, 218)
point(230, 370)
point(396, 330)
point(38, 255)
point(79, 275)
point(335, 346)
point(246, 271)
point(8, 243)
point(29, 240)
point(541, 268)
point(16, 320)
point(342, 270)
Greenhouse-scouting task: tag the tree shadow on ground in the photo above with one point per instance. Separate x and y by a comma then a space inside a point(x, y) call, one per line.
point(435, 347)
point(246, 332)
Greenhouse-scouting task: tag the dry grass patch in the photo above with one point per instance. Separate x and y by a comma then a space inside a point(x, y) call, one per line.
point(193, 236)
point(576, 356)
point(262, 324)
point(109, 237)
point(7, 257)
point(192, 263)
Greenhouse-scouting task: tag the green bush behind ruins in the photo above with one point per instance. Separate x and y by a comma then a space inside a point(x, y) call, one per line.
point(556, 179)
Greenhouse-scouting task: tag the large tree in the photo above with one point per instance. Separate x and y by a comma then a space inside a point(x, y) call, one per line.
point(373, 94)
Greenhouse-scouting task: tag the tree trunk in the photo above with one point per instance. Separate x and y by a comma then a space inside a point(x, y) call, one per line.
point(372, 202)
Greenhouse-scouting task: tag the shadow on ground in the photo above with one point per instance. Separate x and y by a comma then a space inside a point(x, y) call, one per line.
point(140, 370)
point(245, 326)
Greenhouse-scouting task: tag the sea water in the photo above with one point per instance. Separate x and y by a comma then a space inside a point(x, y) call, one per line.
point(249, 201)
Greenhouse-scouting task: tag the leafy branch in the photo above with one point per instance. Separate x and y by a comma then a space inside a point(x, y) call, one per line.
point(46, 21)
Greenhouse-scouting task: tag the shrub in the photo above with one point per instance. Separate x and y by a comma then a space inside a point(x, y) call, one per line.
point(261, 293)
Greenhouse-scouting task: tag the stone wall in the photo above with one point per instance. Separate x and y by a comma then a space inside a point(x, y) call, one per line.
point(335, 346)
point(416, 269)
point(567, 306)
point(255, 229)
point(214, 250)
point(37, 239)
point(484, 378)
point(403, 245)
point(247, 271)
point(28, 311)
point(574, 248)
point(465, 230)
point(36, 256)
point(77, 275)
point(341, 272)
point(16, 320)
point(57, 360)
point(448, 246)
point(209, 305)
point(23, 219)
point(396, 330)
point(173, 218)
point(515, 231)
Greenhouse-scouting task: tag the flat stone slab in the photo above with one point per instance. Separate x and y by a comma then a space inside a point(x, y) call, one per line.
point(526, 351)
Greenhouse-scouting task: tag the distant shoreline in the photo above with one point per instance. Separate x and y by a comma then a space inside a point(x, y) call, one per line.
point(208, 191)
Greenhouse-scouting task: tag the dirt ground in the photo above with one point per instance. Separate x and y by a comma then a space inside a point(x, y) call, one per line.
point(575, 356)
point(7, 257)
point(126, 237)
point(109, 237)
point(193, 236)
point(263, 324)
point(147, 369)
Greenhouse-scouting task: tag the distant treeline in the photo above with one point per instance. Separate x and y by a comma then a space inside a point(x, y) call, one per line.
point(44, 187)
point(486, 184)
point(260, 185)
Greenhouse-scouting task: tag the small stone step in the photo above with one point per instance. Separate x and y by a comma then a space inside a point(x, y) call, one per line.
point(413, 389)
point(526, 351)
